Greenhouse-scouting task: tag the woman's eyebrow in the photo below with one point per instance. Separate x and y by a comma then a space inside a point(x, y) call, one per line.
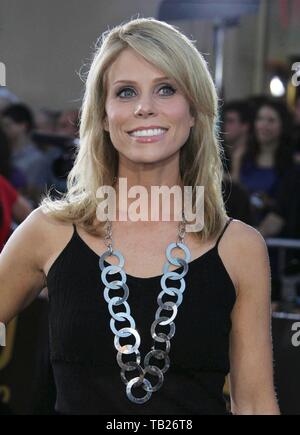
point(158, 79)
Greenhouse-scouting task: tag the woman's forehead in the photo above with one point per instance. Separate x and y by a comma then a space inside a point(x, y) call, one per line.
point(131, 66)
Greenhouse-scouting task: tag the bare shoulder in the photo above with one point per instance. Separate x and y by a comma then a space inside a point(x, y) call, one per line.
point(248, 253)
point(45, 225)
point(40, 236)
point(54, 236)
point(245, 234)
point(249, 246)
point(243, 251)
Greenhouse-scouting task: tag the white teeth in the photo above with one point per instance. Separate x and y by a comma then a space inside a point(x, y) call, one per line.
point(150, 132)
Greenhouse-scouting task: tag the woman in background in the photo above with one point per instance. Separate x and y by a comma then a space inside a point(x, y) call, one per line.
point(268, 158)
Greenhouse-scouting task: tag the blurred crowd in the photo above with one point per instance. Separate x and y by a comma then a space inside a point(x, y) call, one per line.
point(260, 141)
point(36, 154)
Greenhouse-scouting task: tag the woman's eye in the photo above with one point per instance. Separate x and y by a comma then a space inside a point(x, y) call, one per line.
point(119, 94)
point(123, 93)
point(168, 87)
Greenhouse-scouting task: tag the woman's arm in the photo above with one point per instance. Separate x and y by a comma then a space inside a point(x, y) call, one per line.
point(251, 359)
point(21, 273)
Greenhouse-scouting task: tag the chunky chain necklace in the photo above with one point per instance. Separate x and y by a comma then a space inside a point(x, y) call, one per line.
point(160, 337)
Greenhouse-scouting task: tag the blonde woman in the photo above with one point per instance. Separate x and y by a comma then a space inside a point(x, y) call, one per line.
point(148, 115)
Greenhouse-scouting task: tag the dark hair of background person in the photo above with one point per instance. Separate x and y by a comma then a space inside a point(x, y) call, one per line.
point(283, 154)
point(242, 107)
point(20, 113)
point(246, 114)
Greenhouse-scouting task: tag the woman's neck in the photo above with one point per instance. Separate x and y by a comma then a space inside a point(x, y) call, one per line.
point(266, 156)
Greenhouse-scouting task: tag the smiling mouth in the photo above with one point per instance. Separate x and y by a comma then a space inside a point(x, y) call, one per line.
point(151, 132)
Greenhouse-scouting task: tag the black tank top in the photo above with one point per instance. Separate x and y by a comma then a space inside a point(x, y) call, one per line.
point(82, 352)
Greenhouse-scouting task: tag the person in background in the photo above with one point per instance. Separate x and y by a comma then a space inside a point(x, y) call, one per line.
point(236, 124)
point(7, 98)
point(67, 126)
point(236, 200)
point(45, 120)
point(263, 169)
point(296, 112)
point(296, 130)
point(268, 158)
point(18, 123)
point(13, 174)
point(284, 219)
point(62, 126)
point(68, 123)
point(13, 207)
point(284, 222)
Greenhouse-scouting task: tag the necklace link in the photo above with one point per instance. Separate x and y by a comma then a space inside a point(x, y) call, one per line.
point(162, 321)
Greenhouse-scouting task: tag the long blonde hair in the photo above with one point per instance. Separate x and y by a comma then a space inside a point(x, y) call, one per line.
point(96, 160)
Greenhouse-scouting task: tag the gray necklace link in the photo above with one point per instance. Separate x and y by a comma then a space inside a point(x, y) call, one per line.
point(124, 332)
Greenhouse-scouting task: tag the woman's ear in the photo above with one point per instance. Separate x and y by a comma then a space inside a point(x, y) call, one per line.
point(192, 117)
point(105, 124)
point(192, 120)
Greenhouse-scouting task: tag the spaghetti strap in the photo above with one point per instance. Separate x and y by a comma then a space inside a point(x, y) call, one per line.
point(223, 231)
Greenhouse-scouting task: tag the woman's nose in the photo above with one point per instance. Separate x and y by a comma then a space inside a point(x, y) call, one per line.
point(144, 108)
point(142, 113)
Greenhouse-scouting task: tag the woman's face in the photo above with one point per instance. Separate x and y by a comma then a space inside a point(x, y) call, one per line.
point(267, 125)
point(140, 97)
point(13, 130)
